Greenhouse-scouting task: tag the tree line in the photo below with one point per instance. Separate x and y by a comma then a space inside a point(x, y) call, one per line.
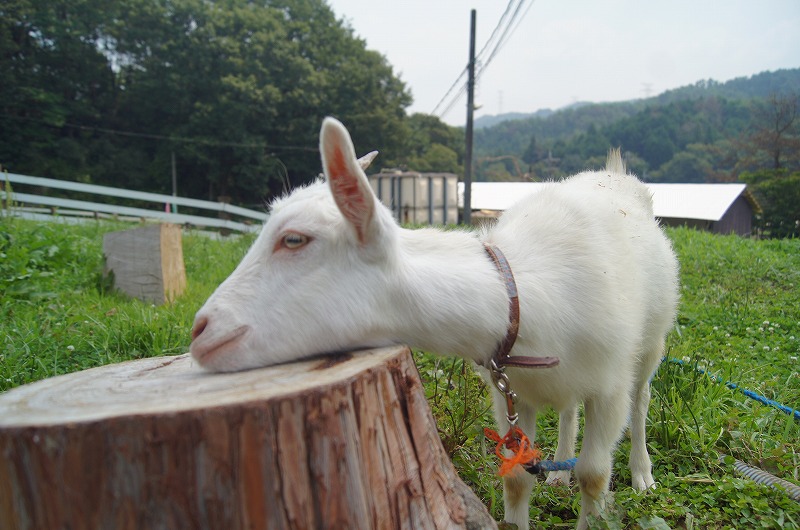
point(231, 94)
point(232, 91)
point(745, 130)
point(705, 132)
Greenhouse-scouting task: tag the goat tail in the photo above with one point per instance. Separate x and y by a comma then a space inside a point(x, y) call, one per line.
point(614, 162)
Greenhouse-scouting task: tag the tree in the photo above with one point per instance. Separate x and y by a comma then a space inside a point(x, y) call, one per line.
point(57, 85)
point(438, 159)
point(531, 154)
point(770, 156)
point(107, 91)
point(431, 145)
point(778, 192)
point(683, 167)
point(775, 142)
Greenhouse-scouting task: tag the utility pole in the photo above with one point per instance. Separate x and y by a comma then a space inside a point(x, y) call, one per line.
point(466, 218)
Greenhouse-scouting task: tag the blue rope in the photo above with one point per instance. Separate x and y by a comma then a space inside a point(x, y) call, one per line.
point(749, 393)
point(549, 465)
point(567, 465)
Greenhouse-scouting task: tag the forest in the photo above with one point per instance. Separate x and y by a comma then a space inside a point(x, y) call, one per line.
point(744, 130)
point(109, 91)
point(231, 94)
point(707, 132)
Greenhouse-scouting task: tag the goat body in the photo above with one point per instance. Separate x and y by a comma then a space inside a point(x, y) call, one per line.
point(597, 280)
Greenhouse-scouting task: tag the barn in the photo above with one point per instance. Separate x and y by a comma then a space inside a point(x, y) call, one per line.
point(718, 208)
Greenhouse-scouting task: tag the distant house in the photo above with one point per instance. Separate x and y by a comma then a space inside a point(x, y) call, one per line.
point(718, 208)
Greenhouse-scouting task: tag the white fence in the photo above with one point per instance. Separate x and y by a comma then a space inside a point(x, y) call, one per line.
point(32, 206)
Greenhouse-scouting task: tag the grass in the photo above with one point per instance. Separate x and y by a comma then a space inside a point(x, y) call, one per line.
point(57, 315)
point(739, 320)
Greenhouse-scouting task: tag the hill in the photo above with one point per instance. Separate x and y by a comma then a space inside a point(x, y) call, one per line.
point(698, 129)
point(758, 85)
point(491, 120)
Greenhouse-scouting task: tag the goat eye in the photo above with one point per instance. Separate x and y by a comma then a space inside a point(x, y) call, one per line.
point(293, 240)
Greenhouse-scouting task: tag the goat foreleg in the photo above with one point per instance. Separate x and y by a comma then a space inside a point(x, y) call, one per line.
point(518, 484)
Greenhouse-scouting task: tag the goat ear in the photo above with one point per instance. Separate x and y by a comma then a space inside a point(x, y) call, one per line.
point(367, 159)
point(349, 185)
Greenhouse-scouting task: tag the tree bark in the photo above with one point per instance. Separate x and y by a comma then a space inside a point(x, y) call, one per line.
point(337, 442)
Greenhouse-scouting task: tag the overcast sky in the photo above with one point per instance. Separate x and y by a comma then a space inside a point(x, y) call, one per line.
point(564, 51)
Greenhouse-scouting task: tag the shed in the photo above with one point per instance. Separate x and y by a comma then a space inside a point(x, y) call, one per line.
point(418, 198)
point(718, 208)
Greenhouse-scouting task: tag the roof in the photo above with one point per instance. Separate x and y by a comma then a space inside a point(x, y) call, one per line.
point(681, 201)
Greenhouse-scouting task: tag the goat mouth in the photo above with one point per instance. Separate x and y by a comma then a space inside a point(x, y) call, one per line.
point(205, 350)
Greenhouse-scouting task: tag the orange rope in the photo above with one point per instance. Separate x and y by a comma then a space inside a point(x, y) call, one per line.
point(519, 444)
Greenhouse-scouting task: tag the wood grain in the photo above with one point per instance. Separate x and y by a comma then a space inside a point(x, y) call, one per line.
point(339, 442)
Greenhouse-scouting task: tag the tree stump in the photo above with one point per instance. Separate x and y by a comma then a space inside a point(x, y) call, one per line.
point(146, 262)
point(345, 442)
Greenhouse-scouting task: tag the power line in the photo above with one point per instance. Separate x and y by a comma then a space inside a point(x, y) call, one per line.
point(507, 32)
point(449, 90)
point(455, 99)
point(508, 23)
point(463, 73)
point(176, 139)
point(502, 23)
point(496, 28)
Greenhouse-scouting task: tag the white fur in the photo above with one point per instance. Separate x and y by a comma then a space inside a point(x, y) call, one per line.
point(598, 289)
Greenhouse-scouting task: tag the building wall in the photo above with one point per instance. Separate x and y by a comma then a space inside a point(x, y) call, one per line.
point(418, 198)
point(737, 220)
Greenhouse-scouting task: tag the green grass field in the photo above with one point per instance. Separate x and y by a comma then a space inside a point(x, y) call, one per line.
point(739, 320)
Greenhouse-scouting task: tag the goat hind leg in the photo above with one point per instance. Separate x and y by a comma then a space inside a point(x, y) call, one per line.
point(641, 467)
point(567, 434)
point(604, 420)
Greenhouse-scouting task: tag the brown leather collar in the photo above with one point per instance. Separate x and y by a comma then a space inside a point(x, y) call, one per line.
point(501, 355)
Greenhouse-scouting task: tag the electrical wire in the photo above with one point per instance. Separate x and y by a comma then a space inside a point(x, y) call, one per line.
point(501, 34)
point(450, 90)
point(176, 139)
point(507, 33)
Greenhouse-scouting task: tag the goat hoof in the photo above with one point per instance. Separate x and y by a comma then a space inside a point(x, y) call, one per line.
point(558, 478)
point(643, 483)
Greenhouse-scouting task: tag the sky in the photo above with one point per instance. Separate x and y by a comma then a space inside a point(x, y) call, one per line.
point(564, 51)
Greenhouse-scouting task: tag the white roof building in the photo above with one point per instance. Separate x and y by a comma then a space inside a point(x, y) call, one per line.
point(721, 208)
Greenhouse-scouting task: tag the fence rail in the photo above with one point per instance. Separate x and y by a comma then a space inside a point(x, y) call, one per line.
point(29, 205)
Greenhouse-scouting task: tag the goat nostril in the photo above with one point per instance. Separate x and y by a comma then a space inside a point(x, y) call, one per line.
point(199, 327)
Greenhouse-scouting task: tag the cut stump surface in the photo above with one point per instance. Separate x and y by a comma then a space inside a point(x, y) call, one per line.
point(336, 442)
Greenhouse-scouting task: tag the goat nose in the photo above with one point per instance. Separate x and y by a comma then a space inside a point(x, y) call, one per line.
point(199, 326)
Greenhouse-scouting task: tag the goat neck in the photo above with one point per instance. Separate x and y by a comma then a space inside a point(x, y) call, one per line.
point(452, 300)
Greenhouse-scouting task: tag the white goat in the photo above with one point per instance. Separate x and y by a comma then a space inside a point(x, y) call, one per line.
point(597, 280)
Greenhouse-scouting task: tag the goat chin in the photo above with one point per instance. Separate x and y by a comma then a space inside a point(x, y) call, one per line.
point(597, 281)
